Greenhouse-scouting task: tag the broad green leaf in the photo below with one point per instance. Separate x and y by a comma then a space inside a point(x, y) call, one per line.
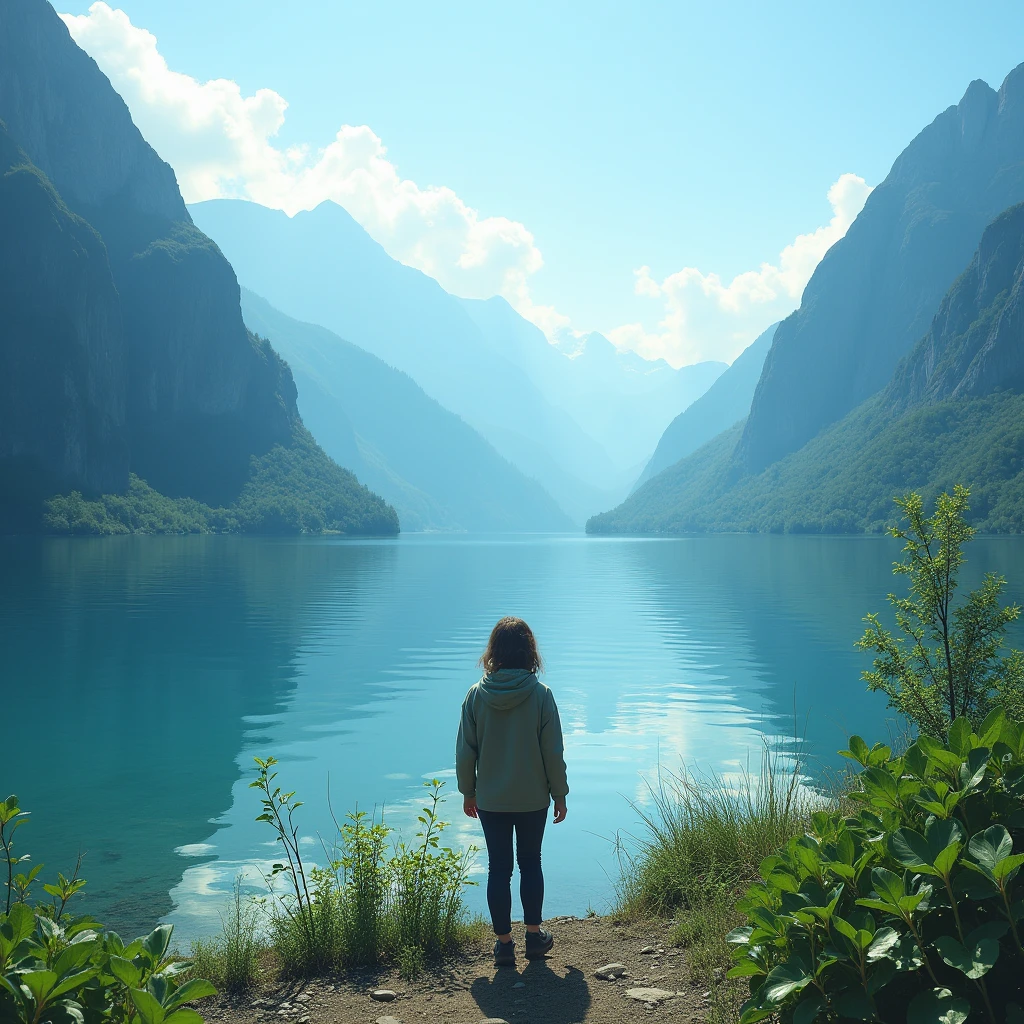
point(888, 885)
point(149, 1009)
point(197, 988)
point(937, 1006)
point(988, 848)
point(185, 1016)
point(992, 729)
point(74, 956)
point(960, 737)
point(881, 974)
point(946, 859)
point(784, 980)
point(157, 941)
point(910, 849)
point(753, 1014)
point(39, 983)
point(72, 981)
point(916, 761)
point(884, 906)
point(854, 1004)
point(975, 962)
point(988, 930)
point(17, 926)
point(858, 750)
point(125, 971)
point(746, 968)
point(808, 1008)
point(740, 936)
point(882, 943)
point(1008, 866)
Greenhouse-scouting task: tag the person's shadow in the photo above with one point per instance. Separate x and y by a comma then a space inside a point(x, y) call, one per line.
point(548, 998)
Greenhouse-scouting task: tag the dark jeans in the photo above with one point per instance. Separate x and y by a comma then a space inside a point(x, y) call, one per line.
point(498, 827)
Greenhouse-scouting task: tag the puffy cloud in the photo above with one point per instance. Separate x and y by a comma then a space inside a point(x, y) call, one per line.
point(222, 144)
point(707, 318)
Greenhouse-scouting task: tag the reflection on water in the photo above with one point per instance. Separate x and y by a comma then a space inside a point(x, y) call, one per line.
point(144, 674)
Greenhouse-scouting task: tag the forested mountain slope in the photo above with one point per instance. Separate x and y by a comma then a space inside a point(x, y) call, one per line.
point(129, 339)
point(953, 412)
point(875, 292)
point(435, 469)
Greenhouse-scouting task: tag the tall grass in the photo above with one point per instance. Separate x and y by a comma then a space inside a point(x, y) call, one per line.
point(703, 837)
point(370, 901)
point(232, 959)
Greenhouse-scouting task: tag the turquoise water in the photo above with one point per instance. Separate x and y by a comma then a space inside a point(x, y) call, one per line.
point(140, 676)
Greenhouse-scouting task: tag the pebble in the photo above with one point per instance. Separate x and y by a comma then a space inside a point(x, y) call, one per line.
point(519, 984)
point(383, 995)
point(649, 995)
point(647, 950)
point(303, 998)
point(610, 972)
point(494, 1020)
point(388, 1020)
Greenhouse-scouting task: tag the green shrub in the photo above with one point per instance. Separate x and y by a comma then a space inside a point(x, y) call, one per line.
point(907, 910)
point(232, 959)
point(370, 902)
point(58, 969)
point(947, 662)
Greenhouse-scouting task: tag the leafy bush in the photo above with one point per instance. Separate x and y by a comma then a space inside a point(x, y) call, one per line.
point(369, 902)
point(947, 664)
point(908, 910)
point(57, 969)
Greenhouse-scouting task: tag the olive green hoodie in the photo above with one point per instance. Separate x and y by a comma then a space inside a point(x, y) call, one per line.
point(509, 751)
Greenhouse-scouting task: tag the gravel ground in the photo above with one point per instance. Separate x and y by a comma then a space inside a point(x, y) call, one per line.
point(561, 989)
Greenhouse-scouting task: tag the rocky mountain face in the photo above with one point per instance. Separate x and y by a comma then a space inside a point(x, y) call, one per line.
point(724, 404)
point(874, 294)
point(62, 368)
point(192, 379)
point(953, 412)
point(975, 344)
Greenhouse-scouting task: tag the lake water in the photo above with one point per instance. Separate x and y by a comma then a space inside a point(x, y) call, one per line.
point(140, 676)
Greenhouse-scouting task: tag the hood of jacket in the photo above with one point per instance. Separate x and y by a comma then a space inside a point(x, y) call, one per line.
point(507, 688)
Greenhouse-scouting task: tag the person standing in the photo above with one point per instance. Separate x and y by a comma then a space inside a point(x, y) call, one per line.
point(510, 766)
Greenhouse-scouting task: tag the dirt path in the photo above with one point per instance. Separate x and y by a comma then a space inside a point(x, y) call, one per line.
point(561, 989)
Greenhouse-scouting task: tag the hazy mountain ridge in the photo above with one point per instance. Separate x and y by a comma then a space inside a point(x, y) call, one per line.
point(724, 404)
point(437, 471)
point(873, 295)
point(480, 360)
point(165, 380)
point(952, 413)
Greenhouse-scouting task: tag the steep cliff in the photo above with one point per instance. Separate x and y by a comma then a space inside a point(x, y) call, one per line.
point(873, 295)
point(193, 375)
point(725, 403)
point(62, 366)
point(123, 349)
point(952, 413)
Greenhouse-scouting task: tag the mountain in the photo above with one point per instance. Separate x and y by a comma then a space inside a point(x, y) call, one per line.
point(126, 349)
point(321, 267)
point(581, 427)
point(435, 469)
point(875, 292)
point(619, 398)
point(725, 403)
point(61, 322)
point(953, 412)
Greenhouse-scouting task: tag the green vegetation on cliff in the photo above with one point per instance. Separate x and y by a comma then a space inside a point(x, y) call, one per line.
point(294, 489)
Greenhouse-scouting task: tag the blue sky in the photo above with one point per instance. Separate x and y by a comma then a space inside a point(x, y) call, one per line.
point(619, 136)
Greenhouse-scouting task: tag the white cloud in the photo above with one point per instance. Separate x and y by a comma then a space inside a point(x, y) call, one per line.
point(222, 144)
point(705, 318)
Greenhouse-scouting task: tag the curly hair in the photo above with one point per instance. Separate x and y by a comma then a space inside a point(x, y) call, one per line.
point(511, 645)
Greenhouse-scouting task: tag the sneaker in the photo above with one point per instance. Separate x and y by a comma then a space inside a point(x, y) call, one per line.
point(504, 953)
point(538, 943)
